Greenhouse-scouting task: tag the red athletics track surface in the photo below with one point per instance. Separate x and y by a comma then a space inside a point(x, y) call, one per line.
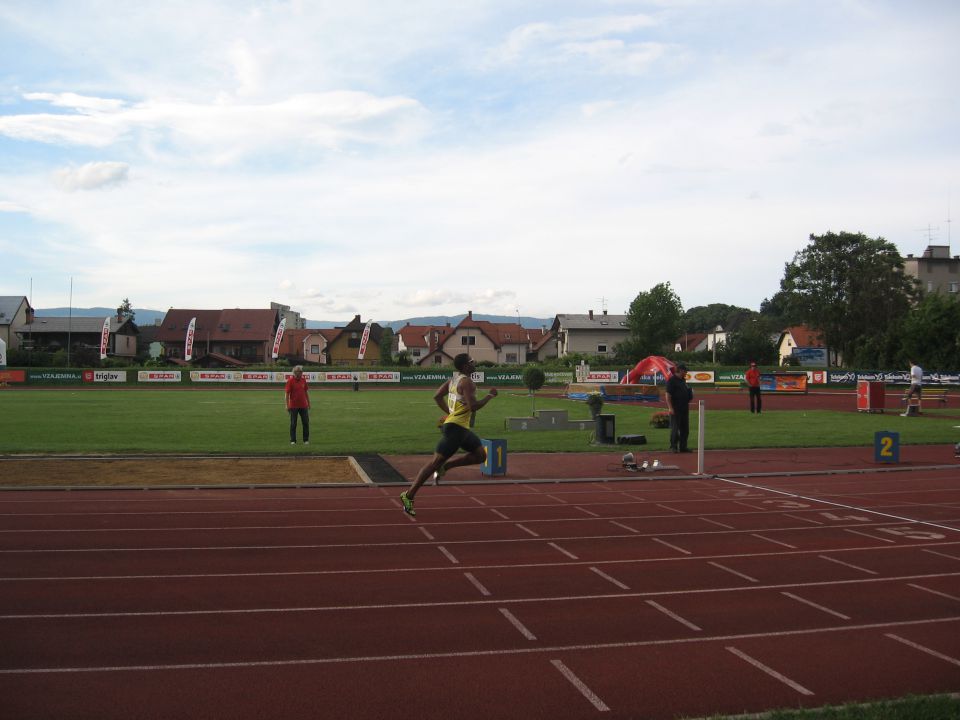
point(629, 599)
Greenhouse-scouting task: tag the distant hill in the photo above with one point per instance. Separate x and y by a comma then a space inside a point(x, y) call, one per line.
point(533, 323)
point(148, 317)
point(141, 316)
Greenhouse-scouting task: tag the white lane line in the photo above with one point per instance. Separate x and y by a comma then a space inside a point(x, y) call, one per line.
point(634, 497)
point(816, 605)
point(752, 507)
point(565, 552)
point(527, 530)
point(585, 511)
point(868, 535)
point(667, 507)
point(715, 522)
point(770, 671)
point(731, 570)
point(517, 624)
point(924, 649)
point(559, 500)
point(671, 614)
point(477, 584)
point(934, 592)
point(425, 532)
point(580, 686)
point(671, 546)
point(846, 564)
point(608, 578)
point(798, 517)
point(478, 501)
point(478, 653)
point(771, 540)
point(499, 514)
point(448, 554)
point(625, 527)
point(946, 555)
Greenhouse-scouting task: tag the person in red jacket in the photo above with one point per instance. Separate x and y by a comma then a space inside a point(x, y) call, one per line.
point(753, 385)
point(298, 404)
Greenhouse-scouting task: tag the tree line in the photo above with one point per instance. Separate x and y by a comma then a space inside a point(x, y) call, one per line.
point(849, 288)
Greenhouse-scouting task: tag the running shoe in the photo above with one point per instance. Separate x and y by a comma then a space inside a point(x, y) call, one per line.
point(439, 474)
point(407, 504)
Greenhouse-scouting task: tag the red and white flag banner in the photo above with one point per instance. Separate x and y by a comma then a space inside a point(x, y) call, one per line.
point(188, 347)
point(276, 340)
point(363, 340)
point(104, 338)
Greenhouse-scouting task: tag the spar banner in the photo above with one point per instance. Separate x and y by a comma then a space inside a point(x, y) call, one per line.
point(104, 376)
point(104, 338)
point(162, 376)
point(276, 340)
point(188, 342)
point(363, 340)
point(379, 377)
point(212, 376)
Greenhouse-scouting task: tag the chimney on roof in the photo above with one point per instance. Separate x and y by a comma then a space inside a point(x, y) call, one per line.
point(469, 314)
point(591, 314)
point(604, 312)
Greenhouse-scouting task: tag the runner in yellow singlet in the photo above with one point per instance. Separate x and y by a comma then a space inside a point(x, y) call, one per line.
point(457, 397)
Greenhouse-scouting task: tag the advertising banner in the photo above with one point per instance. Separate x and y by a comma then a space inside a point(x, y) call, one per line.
point(188, 342)
point(105, 376)
point(104, 338)
point(12, 376)
point(3, 354)
point(602, 376)
point(212, 376)
point(258, 376)
point(278, 338)
point(379, 377)
point(55, 377)
point(364, 339)
point(700, 376)
point(559, 378)
point(159, 376)
point(815, 356)
point(783, 382)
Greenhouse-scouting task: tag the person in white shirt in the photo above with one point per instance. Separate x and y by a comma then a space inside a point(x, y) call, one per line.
point(916, 381)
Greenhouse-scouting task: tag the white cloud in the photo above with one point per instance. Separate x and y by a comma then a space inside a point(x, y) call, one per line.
point(91, 176)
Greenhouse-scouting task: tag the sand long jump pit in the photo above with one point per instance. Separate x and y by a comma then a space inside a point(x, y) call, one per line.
point(165, 471)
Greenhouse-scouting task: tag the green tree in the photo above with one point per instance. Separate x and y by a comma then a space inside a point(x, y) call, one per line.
point(930, 334)
point(654, 321)
point(386, 346)
point(533, 379)
point(754, 340)
point(849, 287)
point(705, 318)
point(126, 310)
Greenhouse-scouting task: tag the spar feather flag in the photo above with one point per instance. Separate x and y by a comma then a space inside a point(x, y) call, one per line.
point(104, 338)
point(188, 347)
point(363, 340)
point(276, 340)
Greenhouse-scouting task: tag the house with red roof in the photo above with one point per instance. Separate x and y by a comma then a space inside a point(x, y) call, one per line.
point(235, 337)
point(805, 342)
point(498, 343)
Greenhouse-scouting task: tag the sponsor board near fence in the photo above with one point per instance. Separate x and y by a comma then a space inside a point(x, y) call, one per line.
point(159, 376)
point(105, 376)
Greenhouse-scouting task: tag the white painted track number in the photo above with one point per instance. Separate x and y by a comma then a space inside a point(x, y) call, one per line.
point(913, 533)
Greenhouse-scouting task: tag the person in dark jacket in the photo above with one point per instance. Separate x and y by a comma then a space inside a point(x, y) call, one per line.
point(679, 396)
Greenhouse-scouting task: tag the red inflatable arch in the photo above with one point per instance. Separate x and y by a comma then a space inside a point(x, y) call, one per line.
point(649, 366)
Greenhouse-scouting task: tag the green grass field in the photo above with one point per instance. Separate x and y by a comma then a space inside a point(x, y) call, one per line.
point(254, 421)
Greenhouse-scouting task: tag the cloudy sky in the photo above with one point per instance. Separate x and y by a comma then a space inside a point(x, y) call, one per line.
point(394, 158)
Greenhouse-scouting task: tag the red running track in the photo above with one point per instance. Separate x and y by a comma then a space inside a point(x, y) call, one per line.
point(541, 600)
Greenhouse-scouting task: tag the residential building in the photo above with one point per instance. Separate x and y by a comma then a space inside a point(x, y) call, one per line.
point(935, 270)
point(236, 337)
point(51, 334)
point(497, 343)
point(541, 345)
point(306, 346)
point(807, 346)
point(590, 334)
point(293, 318)
point(344, 348)
point(691, 342)
point(15, 313)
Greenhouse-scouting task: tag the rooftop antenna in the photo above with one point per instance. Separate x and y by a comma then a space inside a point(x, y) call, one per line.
point(948, 220)
point(929, 230)
point(603, 305)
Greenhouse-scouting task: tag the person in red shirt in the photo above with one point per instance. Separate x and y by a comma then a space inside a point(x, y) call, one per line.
point(753, 384)
point(298, 404)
